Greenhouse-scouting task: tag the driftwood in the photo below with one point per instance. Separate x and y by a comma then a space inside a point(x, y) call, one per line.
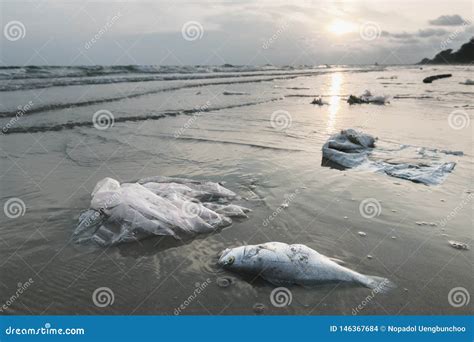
point(436, 77)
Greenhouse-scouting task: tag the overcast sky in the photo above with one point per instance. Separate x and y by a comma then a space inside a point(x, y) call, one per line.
point(280, 32)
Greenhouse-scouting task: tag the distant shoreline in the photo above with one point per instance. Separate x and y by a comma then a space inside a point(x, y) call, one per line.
point(465, 55)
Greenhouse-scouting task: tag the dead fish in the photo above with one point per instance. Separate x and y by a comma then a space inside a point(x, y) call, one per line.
point(338, 261)
point(283, 264)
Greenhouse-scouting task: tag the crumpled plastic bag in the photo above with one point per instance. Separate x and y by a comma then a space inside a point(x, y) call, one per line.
point(367, 97)
point(351, 149)
point(161, 206)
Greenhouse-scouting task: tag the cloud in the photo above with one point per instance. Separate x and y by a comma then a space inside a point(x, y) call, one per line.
point(431, 32)
point(403, 35)
point(234, 31)
point(448, 20)
point(422, 33)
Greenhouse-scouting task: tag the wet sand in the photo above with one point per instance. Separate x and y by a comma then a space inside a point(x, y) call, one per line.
point(53, 173)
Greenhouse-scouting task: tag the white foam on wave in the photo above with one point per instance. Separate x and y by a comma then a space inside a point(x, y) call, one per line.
point(468, 82)
point(378, 99)
point(368, 97)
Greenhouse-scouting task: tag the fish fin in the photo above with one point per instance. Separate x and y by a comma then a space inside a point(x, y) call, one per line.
point(379, 284)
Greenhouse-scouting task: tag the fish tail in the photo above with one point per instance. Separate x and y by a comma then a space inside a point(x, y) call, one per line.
point(378, 284)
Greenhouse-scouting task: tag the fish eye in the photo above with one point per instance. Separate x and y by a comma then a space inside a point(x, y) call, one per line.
point(231, 260)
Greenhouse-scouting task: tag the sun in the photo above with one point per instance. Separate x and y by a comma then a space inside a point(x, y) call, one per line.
point(340, 27)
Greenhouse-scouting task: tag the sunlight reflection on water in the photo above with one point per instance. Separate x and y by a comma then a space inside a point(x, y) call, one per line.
point(334, 102)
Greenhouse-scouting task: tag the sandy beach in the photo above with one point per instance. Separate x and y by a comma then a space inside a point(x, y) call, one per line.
point(254, 130)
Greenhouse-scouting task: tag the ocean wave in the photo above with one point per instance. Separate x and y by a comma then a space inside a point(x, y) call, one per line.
point(39, 71)
point(59, 106)
point(90, 123)
point(34, 71)
point(261, 146)
point(66, 82)
point(38, 77)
